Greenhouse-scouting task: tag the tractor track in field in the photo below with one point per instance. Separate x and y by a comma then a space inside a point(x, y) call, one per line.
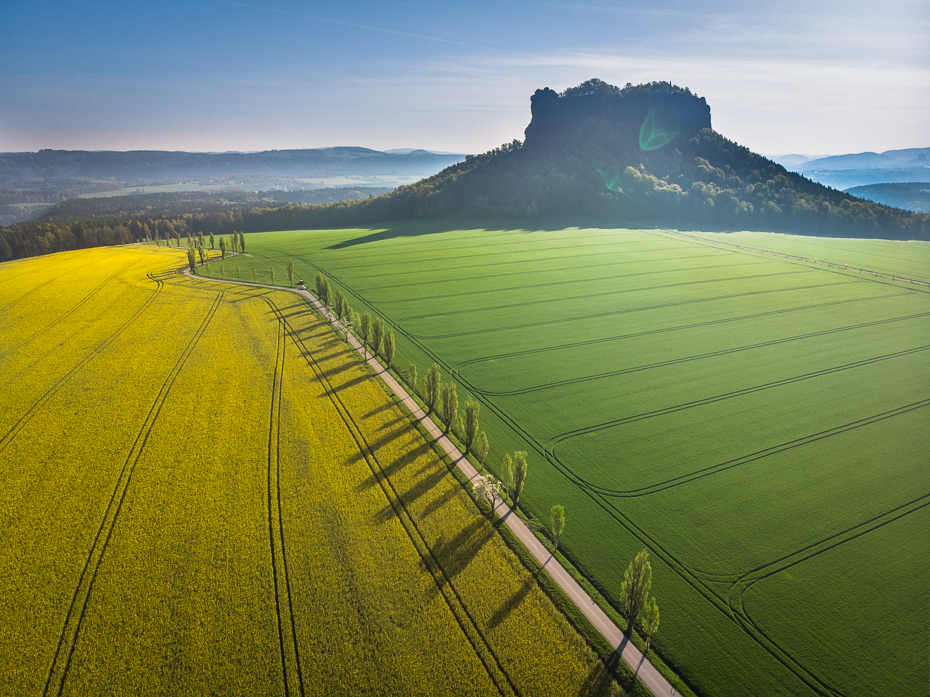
point(599, 294)
point(747, 580)
point(402, 255)
point(551, 284)
point(466, 621)
point(649, 332)
point(613, 313)
point(63, 316)
point(698, 357)
point(290, 653)
point(14, 430)
point(484, 255)
point(481, 277)
point(38, 287)
point(793, 258)
point(553, 442)
point(753, 457)
point(77, 610)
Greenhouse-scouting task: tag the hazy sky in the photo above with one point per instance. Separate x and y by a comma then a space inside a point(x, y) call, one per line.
point(780, 77)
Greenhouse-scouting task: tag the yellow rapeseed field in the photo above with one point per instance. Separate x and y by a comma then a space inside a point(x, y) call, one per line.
point(203, 492)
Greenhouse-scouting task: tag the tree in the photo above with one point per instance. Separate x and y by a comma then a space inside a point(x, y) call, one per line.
point(191, 261)
point(348, 317)
point(389, 349)
point(507, 474)
point(212, 242)
point(234, 242)
point(255, 275)
point(487, 488)
point(635, 589)
point(481, 448)
point(290, 272)
point(271, 269)
point(650, 620)
point(519, 475)
point(241, 240)
point(470, 425)
point(319, 286)
point(377, 336)
point(557, 518)
point(326, 293)
point(202, 252)
point(338, 297)
point(431, 385)
point(222, 248)
point(448, 404)
point(366, 329)
point(412, 378)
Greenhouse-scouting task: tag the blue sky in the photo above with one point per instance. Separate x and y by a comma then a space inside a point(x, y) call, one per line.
point(212, 75)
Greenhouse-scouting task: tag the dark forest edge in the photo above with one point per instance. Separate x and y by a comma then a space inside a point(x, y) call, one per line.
point(638, 156)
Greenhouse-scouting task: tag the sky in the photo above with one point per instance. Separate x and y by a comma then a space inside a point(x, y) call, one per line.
point(215, 75)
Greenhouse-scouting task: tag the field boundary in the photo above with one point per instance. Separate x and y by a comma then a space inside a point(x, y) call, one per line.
point(807, 260)
point(647, 673)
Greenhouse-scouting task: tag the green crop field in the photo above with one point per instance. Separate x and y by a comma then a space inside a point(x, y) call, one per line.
point(756, 419)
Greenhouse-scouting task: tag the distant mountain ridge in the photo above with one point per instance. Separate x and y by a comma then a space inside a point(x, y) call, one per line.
point(871, 160)
point(17, 168)
point(911, 196)
point(861, 169)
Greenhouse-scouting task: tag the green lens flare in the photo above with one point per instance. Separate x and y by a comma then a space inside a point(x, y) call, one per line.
point(655, 134)
point(612, 182)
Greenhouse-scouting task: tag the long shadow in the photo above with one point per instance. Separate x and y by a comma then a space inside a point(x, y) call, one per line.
point(422, 486)
point(379, 409)
point(341, 368)
point(406, 228)
point(512, 603)
point(456, 554)
point(438, 503)
point(351, 383)
point(602, 678)
point(393, 422)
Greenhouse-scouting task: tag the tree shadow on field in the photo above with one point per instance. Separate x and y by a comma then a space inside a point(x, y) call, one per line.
point(512, 603)
point(351, 383)
point(378, 410)
point(341, 368)
point(392, 422)
point(601, 680)
point(439, 502)
point(417, 228)
point(455, 555)
point(396, 466)
point(421, 486)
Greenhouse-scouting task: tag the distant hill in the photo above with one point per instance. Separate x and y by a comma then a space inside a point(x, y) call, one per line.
point(859, 169)
point(159, 205)
point(911, 196)
point(152, 165)
point(890, 159)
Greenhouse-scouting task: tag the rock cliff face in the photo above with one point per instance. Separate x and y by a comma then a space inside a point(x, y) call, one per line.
point(655, 113)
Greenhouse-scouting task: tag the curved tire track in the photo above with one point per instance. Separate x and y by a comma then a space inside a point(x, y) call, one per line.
point(290, 653)
point(70, 631)
point(14, 430)
point(482, 648)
